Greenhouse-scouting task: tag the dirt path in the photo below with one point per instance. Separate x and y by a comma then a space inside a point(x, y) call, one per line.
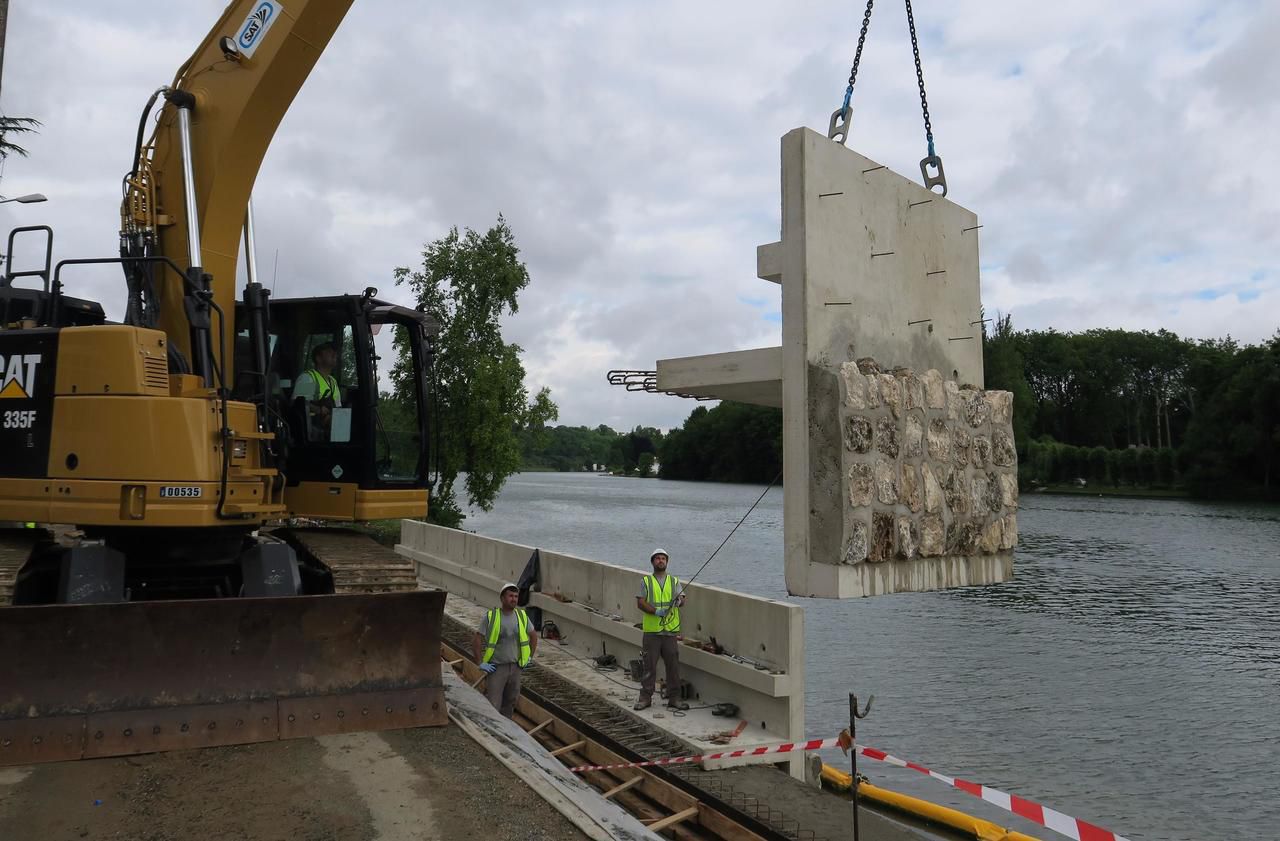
point(395, 786)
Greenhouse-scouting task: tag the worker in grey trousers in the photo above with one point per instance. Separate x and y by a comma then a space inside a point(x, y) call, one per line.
point(660, 599)
point(504, 645)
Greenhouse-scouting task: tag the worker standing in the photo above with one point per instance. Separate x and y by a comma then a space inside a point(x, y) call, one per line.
point(660, 600)
point(503, 645)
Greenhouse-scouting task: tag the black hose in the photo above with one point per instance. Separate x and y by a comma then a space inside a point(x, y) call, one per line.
point(142, 125)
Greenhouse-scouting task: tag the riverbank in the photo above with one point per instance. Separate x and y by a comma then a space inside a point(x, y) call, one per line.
point(1109, 491)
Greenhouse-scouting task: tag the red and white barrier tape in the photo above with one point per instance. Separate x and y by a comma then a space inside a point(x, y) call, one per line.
point(1073, 828)
point(1049, 818)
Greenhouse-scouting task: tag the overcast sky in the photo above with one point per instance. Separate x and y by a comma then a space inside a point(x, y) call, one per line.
point(1120, 156)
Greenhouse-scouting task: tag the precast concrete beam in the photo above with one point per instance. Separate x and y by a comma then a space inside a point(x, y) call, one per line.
point(747, 376)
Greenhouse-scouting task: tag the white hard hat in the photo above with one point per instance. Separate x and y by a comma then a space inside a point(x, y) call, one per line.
point(508, 586)
point(656, 552)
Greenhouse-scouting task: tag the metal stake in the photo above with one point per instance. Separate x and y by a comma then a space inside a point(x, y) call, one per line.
point(854, 715)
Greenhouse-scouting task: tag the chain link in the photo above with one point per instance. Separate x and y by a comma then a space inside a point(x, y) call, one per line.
point(857, 56)
point(924, 102)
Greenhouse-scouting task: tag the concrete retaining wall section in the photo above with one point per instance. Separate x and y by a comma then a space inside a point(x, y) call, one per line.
point(594, 605)
point(873, 265)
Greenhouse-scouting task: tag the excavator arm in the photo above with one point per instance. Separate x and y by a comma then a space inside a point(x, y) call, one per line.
point(187, 195)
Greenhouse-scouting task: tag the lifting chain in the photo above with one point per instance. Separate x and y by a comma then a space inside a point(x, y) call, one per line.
point(930, 161)
point(838, 130)
point(839, 127)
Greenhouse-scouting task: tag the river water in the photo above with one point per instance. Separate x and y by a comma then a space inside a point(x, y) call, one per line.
point(1126, 676)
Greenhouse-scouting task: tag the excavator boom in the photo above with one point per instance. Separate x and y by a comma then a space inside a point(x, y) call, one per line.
point(238, 85)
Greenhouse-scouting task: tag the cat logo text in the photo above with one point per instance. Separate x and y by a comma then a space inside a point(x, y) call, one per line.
point(19, 376)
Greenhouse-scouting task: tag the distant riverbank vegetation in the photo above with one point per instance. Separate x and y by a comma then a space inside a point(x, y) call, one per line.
point(1103, 411)
point(1125, 410)
point(729, 442)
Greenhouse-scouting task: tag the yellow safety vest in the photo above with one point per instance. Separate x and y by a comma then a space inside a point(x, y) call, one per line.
point(495, 627)
point(662, 595)
point(325, 384)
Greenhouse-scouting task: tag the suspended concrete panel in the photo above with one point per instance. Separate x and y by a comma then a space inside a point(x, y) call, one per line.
point(874, 267)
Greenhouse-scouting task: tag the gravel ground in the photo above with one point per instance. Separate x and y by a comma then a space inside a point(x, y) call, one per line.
point(413, 784)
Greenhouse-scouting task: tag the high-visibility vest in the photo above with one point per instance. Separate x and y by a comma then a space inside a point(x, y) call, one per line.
point(326, 385)
point(522, 630)
point(662, 595)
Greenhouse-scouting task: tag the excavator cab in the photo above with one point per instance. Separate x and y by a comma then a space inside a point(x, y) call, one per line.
point(346, 392)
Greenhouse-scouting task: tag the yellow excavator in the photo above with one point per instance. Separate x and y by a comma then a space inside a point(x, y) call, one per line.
point(165, 611)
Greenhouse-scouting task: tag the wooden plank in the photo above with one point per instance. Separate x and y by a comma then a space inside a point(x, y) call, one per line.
point(649, 786)
point(678, 817)
point(568, 748)
point(538, 727)
point(623, 786)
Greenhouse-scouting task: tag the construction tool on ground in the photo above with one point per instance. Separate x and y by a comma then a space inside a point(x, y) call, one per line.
point(163, 614)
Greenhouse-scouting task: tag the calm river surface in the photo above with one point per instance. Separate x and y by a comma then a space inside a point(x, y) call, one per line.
point(1128, 675)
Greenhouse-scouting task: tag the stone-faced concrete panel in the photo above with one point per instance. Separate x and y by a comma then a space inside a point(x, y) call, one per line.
point(880, 330)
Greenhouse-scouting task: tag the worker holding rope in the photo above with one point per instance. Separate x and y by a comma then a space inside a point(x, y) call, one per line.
point(660, 599)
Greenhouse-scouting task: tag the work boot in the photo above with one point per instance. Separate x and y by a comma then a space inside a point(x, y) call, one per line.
point(642, 704)
point(677, 705)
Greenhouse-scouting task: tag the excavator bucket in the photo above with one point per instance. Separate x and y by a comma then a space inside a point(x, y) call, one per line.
point(82, 681)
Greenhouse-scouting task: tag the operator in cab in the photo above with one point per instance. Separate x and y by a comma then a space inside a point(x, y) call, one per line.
point(320, 389)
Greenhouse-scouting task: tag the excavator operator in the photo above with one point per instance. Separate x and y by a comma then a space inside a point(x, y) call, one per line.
point(320, 389)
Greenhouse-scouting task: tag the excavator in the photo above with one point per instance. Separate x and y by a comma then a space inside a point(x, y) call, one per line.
point(158, 603)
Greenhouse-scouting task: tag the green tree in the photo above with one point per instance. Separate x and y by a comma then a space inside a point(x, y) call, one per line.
point(1233, 441)
point(733, 442)
point(1098, 465)
point(1129, 466)
point(1164, 466)
point(1146, 466)
point(15, 125)
point(1005, 370)
point(1113, 468)
point(468, 282)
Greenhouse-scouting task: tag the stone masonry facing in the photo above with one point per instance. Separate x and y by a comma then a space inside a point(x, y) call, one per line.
point(929, 466)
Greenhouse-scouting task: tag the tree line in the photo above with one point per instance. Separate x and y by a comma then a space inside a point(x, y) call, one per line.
point(730, 442)
point(1141, 408)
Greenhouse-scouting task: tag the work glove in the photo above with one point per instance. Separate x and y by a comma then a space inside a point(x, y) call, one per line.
point(488, 668)
point(662, 611)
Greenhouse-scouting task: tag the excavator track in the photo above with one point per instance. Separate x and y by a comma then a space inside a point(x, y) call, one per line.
point(15, 548)
point(359, 563)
